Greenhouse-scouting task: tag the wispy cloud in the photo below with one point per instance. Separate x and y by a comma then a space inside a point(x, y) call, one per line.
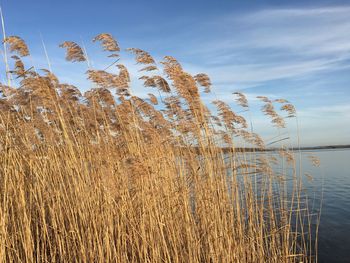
point(301, 54)
point(277, 44)
point(340, 111)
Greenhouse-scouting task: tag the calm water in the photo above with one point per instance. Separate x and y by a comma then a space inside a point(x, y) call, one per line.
point(329, 191)
point(332, 180)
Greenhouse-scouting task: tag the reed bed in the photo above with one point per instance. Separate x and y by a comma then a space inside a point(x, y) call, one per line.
point(107, 176)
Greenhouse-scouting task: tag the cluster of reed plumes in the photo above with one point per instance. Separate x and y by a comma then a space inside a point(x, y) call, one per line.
point(107, 176)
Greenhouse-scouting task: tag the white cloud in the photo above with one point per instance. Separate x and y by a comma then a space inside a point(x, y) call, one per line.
point(340, 111)
point(276, 44)
point(320, 12)
point(247, 51)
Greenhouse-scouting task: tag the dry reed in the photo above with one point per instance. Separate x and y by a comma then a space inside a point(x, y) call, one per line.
point(105, 176)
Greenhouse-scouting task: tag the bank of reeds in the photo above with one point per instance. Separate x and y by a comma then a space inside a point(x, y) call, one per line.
point(107, 176)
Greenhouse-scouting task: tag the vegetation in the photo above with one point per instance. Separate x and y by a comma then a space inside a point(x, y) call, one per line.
point(107, 176)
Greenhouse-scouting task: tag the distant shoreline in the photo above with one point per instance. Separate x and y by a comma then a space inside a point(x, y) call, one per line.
point(327, 147)
point(322, 147)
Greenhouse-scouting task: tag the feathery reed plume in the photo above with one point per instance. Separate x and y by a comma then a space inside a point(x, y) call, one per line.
point(17, 44)
point(102, 78)
point(229, 118)
point(287, 155)
point(19, 67)
point(290, 109)
point(264, 99)
point(203, 80)
point(102, 96)
point(51, 77)
point(148, 81)
point(269, 110)
point(153, 99)
point(149, 68)
point(108, 80)
point(74, 51)
point(142, 57)
point(156, 82)
point(186, 87)
point(161, 84)
point(108, 43)
point(281, 101)
point(69, 92)
point(123, 73)
point(252, 138)
point(241, 99)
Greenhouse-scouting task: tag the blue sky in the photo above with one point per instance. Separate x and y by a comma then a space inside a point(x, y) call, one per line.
point(297, 50)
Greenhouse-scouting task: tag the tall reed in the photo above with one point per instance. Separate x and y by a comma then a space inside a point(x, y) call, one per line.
point(107, 176)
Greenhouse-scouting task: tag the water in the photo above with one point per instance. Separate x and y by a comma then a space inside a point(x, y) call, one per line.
point(332, 180)
point(329, 192)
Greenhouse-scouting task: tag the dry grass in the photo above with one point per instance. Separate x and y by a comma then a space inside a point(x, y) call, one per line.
point(91, 178)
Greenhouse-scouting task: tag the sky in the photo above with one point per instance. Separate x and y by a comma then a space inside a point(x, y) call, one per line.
point(296, 50)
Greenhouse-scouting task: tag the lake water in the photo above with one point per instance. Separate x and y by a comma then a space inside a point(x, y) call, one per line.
point(331, 183)
point(328, 192)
